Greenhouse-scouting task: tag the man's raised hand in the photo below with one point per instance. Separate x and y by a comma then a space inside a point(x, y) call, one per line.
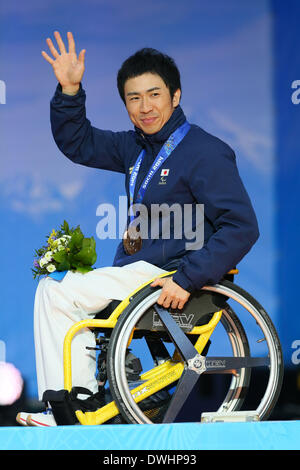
point(68, 68)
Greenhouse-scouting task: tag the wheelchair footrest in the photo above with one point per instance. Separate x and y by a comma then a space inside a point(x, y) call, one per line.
point(231, 417)
point(64, 403)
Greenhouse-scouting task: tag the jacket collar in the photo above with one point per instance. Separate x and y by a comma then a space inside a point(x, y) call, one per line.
point(177, 119)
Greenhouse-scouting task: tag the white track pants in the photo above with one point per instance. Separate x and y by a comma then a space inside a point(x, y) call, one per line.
point(60, 304)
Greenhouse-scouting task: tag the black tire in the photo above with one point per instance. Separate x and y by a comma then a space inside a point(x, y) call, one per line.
point(133, 412)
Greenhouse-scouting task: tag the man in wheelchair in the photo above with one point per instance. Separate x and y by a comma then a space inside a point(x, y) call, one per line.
point(165, 160)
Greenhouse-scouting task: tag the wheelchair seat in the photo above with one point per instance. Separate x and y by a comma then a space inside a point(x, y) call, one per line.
point(107, 311)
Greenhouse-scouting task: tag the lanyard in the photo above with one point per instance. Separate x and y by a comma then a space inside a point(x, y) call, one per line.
point(166, 150)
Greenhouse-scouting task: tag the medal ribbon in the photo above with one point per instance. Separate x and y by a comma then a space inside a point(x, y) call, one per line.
point(166, 150)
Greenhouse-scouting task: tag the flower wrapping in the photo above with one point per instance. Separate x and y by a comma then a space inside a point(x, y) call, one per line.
point(66, 249)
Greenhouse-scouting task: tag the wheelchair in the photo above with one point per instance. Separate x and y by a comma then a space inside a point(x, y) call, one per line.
point(196, 364)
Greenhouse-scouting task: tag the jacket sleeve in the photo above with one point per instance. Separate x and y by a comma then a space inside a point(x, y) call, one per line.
point(79, 140)
point(216, 183)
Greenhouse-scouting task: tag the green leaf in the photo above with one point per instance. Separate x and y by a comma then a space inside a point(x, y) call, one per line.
point(84, 269)
point(65, 227)
point(87, 256)
point(76, 240)
point(64, 266)
point(60, 256)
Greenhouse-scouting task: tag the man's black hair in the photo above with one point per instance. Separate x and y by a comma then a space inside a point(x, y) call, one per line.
point(148, 60)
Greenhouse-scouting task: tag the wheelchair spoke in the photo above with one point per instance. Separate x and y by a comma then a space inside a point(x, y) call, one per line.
point(221, 364)
point(190, 355)
point(180, 340)
point(184, 388)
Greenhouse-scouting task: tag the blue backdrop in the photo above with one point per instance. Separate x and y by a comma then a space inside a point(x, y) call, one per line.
point(237, 62)
point(287, 178)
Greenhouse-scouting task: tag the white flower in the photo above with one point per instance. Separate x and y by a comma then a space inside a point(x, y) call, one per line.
point(65, 238)
point(48, 255)
point(50, 268)
point(42, 262)
point(62, 241)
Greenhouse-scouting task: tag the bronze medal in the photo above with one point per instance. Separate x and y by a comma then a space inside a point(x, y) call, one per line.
point(132, 244)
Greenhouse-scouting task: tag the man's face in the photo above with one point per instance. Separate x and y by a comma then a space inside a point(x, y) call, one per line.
point(148, 102)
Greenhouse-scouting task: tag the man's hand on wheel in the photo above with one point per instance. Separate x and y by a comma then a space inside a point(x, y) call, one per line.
point(172, 295)
point(68, 68)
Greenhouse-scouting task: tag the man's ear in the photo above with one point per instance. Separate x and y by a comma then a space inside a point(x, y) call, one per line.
point(176, 98)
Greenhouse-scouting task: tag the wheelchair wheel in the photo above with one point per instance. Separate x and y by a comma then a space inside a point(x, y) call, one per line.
point(221, 390)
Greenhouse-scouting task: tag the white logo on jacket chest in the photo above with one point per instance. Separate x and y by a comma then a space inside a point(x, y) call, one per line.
point(163, 176)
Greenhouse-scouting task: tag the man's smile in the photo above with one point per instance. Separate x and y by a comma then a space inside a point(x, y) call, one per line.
point(148, 120)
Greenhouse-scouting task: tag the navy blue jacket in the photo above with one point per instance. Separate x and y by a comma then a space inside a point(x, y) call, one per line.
point(202, 170)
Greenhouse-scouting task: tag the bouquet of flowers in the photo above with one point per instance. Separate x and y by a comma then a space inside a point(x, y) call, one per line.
point(66, 249)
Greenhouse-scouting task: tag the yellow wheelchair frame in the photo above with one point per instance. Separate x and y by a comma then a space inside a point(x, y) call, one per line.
point(153, 380)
